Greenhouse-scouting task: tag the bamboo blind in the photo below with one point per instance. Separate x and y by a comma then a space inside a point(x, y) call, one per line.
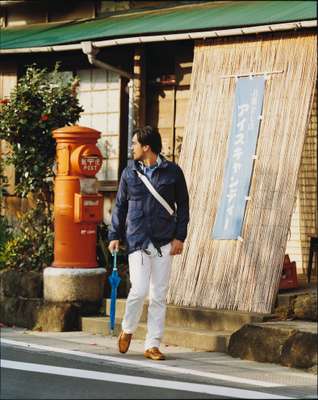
point(230, 274)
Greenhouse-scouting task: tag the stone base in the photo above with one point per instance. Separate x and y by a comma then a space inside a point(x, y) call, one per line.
point(36, 314)
point(290, 343)
point(40, 315)
point(73, 284)
point(27, 284)
point(301, 306)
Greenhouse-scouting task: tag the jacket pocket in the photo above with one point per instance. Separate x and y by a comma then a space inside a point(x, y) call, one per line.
point(136, 188)
point(135, 218)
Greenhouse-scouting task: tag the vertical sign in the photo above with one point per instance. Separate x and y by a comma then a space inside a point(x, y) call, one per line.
point(239, 164)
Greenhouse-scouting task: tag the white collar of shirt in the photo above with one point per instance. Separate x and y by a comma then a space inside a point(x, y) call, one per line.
point(156, 165)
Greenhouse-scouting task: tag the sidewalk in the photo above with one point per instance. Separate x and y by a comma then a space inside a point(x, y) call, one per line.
point(179, 359)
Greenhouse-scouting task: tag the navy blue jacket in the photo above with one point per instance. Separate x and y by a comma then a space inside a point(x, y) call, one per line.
point(139, 218)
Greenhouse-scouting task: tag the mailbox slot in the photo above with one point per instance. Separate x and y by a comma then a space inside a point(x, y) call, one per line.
point(88, 208)
point(86, 160)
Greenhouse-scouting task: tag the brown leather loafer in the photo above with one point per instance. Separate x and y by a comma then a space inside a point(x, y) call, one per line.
point(124, 341)
point(154, 354)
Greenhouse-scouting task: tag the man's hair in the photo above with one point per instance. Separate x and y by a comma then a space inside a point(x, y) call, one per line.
point(149, 136)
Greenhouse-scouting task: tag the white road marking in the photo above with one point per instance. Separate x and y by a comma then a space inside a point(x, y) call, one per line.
point(140, 381)
point(145, 364)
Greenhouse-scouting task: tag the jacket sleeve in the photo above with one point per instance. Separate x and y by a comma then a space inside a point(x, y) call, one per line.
point(118, 222)
point(182, 201)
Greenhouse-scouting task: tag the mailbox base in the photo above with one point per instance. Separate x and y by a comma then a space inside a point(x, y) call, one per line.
point(73, 284)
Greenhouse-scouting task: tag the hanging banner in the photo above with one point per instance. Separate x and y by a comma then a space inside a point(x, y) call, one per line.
point(240, 156)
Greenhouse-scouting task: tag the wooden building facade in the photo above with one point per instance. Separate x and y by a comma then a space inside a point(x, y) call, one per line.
point(161, 53)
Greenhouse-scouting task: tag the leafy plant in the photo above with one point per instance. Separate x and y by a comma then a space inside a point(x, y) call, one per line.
point(41, 102)
point(5, 235)
point(31, 243)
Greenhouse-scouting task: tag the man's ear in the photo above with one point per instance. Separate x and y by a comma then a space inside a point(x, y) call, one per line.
point(146, 148)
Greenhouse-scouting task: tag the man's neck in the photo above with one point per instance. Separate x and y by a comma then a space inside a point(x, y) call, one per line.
point(150, 159)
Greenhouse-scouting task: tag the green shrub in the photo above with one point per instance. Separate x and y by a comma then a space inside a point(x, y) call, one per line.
point(5, 236)
point(30, 245)
point(41, 102)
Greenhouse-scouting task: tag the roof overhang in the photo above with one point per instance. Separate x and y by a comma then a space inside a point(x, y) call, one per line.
point(194, 20)
point(297, 25)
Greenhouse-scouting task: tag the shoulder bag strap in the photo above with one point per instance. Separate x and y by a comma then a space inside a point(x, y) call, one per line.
point(155, 194)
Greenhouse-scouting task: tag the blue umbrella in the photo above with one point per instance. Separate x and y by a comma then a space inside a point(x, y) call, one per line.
point(114, 280)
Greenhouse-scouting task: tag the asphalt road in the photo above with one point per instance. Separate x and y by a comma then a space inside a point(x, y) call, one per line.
point(27, 374)
point(31, 384)
point(39, 372)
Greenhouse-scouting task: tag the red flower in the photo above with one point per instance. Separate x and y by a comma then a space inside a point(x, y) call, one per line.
point(44, 117)
point(4, 101)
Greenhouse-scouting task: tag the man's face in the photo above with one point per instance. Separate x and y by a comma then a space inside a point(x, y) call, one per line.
point(138, 151)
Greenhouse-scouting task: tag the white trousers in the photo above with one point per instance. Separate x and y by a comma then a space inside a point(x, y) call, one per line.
point(149, 276)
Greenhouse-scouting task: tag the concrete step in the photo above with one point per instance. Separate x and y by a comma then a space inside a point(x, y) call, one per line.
point(195, 318)
point(198, 339)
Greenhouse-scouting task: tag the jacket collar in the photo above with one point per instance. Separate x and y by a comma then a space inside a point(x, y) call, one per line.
point(135, 165)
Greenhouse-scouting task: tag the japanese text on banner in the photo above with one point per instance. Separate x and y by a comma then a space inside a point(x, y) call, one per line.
point(249, 95)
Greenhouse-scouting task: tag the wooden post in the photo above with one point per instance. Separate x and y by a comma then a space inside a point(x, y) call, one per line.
point(8, 81)
point(139, 87)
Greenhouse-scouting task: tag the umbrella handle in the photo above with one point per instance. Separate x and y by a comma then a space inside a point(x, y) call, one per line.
point(115, 260)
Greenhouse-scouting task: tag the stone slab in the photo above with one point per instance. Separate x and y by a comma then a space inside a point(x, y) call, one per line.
point(301, 305)
point(289, 343)
point(44, 316)
point(305, 307)
point(15, 283)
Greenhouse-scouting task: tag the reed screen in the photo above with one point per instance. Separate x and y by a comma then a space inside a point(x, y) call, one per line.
point(232, 274)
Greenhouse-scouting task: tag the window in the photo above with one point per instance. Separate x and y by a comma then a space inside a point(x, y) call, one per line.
point(99, 95)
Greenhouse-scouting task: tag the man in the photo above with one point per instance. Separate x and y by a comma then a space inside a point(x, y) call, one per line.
point(153, 236)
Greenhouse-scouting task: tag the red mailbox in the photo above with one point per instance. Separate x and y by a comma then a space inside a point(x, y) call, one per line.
point(77, 205)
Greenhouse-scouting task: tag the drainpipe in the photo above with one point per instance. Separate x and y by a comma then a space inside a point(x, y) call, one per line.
point(91, 52)
point(130, 116)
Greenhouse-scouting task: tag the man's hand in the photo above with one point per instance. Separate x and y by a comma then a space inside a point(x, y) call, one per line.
point(113, 246)
point(176, 247)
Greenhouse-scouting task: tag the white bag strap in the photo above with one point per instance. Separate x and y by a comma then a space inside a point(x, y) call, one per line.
point(155, 194)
